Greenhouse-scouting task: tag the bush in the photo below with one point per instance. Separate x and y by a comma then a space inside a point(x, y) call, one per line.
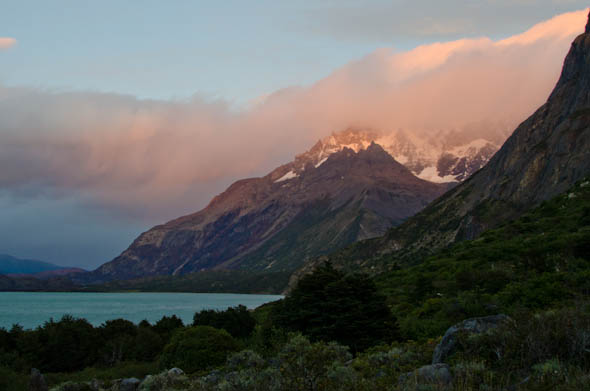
point(198, 348)
point(311, 366)
point(531, 340)
point(12, 381)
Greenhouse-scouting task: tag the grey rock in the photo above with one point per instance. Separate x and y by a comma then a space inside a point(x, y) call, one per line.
point(37, 381)
point(213, 377)
point(175, 372)
point(473, 326)
point(438, 374)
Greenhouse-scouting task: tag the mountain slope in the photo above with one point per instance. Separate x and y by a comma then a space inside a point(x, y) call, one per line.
point(12, 265)
point(540, 260)
point(544, 156)
point(300, 210)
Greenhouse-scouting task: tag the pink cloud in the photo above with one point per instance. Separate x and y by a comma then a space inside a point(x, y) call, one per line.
point(167, 158)
point(6, 43)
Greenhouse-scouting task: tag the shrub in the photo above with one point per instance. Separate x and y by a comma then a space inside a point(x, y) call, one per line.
point(198, 348)
point(12, 381)
point(311, 366)
point(538, 340)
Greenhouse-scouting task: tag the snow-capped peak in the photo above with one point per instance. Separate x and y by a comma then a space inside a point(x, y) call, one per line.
point(436, 159)
point(440, 158)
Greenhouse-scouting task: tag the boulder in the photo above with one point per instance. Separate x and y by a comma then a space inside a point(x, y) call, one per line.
point(37, 381)
point(438, 374)
point(175, 372)
point(472, 326)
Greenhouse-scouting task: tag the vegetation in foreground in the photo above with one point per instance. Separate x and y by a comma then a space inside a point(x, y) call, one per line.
point(338, 331)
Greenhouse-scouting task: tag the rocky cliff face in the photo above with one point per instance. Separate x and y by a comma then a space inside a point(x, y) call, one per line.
point(544, 156)
point(303, 209)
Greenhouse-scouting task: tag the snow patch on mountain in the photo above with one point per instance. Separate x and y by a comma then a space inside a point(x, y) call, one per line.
point(431, 174)
point(289, 175)
point(321, 162)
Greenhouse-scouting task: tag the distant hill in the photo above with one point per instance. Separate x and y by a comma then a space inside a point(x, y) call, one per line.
point(12, 265)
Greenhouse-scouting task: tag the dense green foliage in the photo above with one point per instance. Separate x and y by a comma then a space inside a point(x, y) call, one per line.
point(328, 305)
point(119, 347)
point(72, 344)
point(197, 348)
point(237, 321)
point(540, 260)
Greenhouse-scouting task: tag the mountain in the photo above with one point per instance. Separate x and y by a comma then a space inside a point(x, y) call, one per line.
point(443, 156)
point(311, 206)
point(26, 283)
point(12, 265)
point(47, 274)
point(547, 154)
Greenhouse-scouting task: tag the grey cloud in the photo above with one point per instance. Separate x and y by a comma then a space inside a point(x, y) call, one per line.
point(399, 20)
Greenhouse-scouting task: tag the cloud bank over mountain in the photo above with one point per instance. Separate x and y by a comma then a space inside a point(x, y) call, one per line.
point(132, 157)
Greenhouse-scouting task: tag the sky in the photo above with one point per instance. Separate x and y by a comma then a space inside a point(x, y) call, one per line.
point(116, 116)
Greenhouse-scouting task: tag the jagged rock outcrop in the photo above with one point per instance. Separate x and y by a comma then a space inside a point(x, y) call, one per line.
point(300, 210)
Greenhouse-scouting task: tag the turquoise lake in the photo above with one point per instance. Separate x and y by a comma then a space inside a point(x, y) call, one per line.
point(32, 309)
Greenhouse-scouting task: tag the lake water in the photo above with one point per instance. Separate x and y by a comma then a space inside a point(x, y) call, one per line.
point(32, 309)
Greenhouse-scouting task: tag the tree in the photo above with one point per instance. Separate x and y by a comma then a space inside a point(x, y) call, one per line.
point(68, 345)
point(328, 305)
point(118, 336)
point(235, 320)
point(167, 325)
point(148, 344)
